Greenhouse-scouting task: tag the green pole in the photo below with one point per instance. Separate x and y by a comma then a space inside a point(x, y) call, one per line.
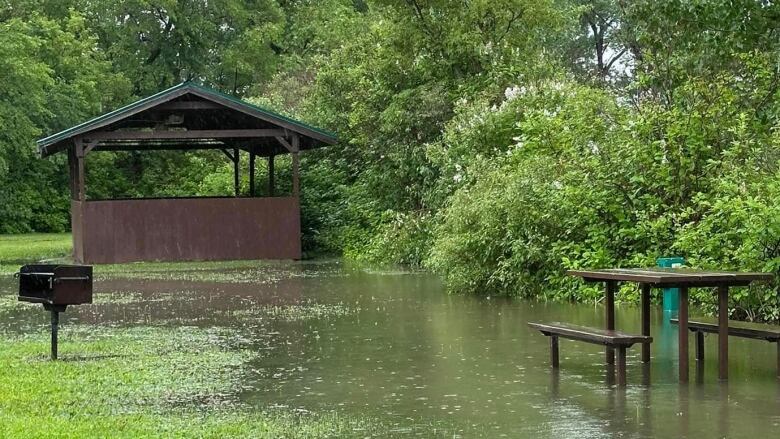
point(671, 295)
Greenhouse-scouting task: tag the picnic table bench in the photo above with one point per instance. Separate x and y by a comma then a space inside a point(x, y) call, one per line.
point(611, 338)
point(754, 331)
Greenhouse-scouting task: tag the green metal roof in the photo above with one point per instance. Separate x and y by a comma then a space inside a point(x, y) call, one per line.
point(56, 142)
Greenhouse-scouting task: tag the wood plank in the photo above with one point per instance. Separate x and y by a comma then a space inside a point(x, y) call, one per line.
point(590, 335)
point(188, 146)
point(757, 331)
point(189, 134)
point(191, 105)
point(672, 277)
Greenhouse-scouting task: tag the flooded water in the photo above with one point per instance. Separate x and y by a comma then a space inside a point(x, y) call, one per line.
point(393, 346)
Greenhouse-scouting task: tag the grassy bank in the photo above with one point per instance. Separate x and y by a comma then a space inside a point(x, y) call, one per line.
point(34, 247)
point(151, 380)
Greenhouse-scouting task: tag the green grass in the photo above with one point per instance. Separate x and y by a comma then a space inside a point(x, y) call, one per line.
point(32, 247)
point(140, 382)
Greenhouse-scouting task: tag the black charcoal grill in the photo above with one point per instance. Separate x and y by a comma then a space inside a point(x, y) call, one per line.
point(55, 286)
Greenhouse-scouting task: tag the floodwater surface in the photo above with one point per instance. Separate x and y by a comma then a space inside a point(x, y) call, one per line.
point(395, 347)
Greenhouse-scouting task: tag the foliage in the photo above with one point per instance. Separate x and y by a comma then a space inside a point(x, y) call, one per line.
point(591, 182)
point(52, 78)
point(495, 142)
point(159, 44)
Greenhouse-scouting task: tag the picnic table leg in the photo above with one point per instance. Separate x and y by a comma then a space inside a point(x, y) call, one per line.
point(700, 345)
point(645, 321)
point(610, 292)
point(621, 369)
point(683, 334)
point(723, 332)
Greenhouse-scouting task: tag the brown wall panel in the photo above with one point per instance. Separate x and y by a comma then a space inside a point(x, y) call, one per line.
point(76, 226)
point(180, 229)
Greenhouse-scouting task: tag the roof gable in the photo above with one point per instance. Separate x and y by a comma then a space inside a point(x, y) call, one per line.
point(62, 140)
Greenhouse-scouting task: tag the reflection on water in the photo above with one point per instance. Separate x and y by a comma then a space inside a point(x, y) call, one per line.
point(394, 346)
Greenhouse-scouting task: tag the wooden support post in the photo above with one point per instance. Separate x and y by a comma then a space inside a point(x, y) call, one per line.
point(645, 321)
point(235, 171)
point(271, 176)
point(699, 346)
point(683, 334)
point(611, 286)
point(296, 166)
point(554, 351)
point(723, 332)
point(621, 366)
point(73, 173)
point(252, 172)
point(778, 358)
point(81, 187)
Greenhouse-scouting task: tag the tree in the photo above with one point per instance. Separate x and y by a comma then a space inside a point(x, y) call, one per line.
point(52, 77)
point(226, 43)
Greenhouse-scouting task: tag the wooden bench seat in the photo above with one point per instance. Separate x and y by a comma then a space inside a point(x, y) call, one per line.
point(605, 337)
point(756, 331)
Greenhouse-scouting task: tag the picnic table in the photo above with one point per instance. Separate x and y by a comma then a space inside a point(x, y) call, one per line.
point(681, 278)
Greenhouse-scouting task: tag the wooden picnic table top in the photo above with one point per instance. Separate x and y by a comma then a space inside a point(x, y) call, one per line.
point(672, 276)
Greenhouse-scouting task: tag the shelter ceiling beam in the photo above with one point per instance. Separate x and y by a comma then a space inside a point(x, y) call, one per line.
point(191, 105)
point(181, 135)
point(170, 147)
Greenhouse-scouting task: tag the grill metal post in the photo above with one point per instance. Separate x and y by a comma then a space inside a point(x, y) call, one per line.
point(55, 323)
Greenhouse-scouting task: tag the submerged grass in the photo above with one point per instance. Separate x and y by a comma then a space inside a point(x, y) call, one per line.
point(140, 382)
point(243, 272)
point(294, 313)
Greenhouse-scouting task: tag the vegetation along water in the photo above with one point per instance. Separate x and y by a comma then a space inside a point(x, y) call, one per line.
point(494, 142)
